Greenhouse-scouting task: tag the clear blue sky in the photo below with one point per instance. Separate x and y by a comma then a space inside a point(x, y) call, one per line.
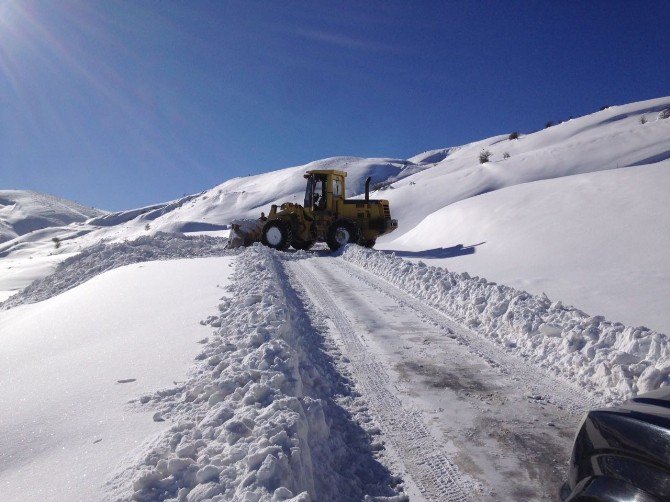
point(119, 104)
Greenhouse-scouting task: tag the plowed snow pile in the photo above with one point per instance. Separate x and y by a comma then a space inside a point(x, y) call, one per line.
point(256, 420)
point(606, 358)
point(101, 257)
point(596, 240)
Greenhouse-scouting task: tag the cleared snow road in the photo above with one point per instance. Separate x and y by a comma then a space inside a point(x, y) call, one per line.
point(462, 419)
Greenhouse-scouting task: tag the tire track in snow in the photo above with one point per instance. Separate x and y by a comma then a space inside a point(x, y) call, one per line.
point(563, 394)
point(431, 469)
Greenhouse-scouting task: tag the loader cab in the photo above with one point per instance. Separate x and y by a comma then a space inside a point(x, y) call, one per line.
point(324, 190)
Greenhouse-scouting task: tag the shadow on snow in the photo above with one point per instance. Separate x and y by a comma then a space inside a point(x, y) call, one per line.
point(450, 252)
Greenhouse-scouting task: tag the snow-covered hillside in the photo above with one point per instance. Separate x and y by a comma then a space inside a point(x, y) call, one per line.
point(360, 375)
point(423, 191)
point(596, 240)
point(23, 211)
point(609, 139)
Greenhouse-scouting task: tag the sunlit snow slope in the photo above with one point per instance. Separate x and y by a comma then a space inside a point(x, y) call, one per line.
point(423, 191)
point(23, 211)
point(596, 240)
point(609, 139)
point(70, 364)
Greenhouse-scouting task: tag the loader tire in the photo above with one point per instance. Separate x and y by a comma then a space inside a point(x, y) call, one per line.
point(277, 234)
point(368, 243)
point(302, 245)
point(342, 232)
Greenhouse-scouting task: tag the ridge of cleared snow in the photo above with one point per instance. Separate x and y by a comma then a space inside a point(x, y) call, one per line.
point(101, 257)
point(256, 420)
point(609, 359)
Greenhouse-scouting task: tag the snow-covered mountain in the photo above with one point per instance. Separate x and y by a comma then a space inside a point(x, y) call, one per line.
point(423, 191)
point(609, 139)
point(24, 211)
point(359, 375)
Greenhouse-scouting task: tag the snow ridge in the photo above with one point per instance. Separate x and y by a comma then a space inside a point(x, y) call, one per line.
point(24, 211)
point(101, 257)
point(256, 419)
point(610, 360)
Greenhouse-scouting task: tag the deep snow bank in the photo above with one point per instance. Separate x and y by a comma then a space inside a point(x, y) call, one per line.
point(101, 257)
point(598, 240)
point(251, 423)
point(608, 359)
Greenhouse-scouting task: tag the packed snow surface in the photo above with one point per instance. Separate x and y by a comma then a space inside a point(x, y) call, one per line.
point(460, 417)
point(606, 358)
point(69, 365)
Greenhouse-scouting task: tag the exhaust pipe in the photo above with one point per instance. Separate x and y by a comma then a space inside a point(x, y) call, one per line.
point(367, 189)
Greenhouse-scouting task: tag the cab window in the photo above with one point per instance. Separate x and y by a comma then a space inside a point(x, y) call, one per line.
point(309, 192)
point(337, 187)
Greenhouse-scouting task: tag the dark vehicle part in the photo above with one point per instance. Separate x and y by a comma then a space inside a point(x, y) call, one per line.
point(302, 245)
point(342, 232)
point(277, 234)
point(622, 453)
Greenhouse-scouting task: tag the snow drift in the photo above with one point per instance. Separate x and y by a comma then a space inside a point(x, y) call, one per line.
point(101, 257)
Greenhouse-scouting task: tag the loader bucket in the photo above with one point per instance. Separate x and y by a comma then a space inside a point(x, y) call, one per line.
point(244, 233)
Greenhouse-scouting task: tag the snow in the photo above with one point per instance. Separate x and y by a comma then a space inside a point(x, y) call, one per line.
point(460, 417)
point(18, 272)
point(23, 211)
point(101, 257)
point(608, 359)
point(597, 240)
point(255, 419)
point(608, 139)
point(72, 362)
point(317, 373)
point(423, 185)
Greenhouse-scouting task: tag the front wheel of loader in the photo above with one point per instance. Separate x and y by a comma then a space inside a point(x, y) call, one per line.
point(277, 234)
point(342, 232)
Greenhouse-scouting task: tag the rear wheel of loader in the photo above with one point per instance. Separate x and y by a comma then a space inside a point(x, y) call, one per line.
point(303, 245)
point(277, 234)
point(342, 232)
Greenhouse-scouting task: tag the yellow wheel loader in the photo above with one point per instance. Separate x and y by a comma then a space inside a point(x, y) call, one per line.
point(325, 216)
